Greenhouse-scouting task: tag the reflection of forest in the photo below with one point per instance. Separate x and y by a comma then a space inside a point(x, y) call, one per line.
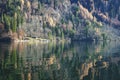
point(59, 61)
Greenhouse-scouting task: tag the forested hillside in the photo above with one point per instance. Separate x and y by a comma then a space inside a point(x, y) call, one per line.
point(60, 19)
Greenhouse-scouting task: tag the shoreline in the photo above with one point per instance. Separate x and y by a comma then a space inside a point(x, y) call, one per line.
point(43, 40)
point(32, 40)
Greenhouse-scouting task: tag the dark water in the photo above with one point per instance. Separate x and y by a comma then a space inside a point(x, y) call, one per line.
point(61, 61)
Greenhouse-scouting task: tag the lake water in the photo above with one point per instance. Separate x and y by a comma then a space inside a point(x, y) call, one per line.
point(60, 61)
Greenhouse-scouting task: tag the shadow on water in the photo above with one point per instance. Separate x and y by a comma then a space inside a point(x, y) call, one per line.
point(60, 61)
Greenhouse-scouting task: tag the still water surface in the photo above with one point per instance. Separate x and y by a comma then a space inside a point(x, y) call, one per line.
point(60, 61)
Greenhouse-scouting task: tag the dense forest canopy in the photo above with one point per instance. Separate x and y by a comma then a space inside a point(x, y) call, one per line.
point(10, 14)
point(75, 19)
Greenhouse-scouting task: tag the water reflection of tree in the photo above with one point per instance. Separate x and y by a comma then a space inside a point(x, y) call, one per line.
point(9, 63)
point(110, 73)
point(58, 61)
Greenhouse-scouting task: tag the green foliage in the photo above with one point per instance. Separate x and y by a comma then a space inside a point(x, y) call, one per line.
point(104, 36)
point(39, 5)
point(75, 9)
point(7, 22)
point(14, 24)
point(50, 35)
point(71, 33)
point(10, 14)
point(62, 35)
point(62, 21)
point(44, 25)
point(18, 19)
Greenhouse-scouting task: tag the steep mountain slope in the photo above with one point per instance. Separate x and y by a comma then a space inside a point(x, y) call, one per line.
point(75, 19)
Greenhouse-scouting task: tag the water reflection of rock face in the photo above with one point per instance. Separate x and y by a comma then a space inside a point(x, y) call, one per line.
point(78, 61)
point(85, 68)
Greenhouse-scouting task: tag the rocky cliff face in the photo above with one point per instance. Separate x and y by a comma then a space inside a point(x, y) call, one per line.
point(75, 19)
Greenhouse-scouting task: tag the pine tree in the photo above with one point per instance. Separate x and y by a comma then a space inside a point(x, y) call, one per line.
point(62, 35)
